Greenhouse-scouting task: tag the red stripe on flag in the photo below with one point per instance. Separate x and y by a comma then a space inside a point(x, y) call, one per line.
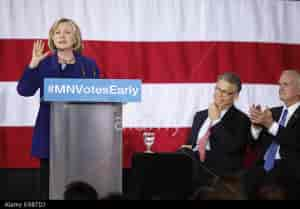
point(159, 62)
point(15, 148)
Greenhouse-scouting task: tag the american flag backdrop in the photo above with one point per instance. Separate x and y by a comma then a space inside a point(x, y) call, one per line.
point(176, 47)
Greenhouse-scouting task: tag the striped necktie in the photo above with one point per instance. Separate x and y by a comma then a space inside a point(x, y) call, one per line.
point(202, 144)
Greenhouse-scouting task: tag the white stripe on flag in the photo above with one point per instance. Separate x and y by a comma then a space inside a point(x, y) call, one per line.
point(163, 105)
point(156, 20)
point(16, 110)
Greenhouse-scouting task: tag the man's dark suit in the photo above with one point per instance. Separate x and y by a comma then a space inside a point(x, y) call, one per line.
point(228, 141)
point(286, 171)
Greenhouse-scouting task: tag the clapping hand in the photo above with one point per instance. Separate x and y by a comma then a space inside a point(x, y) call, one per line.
point(259, 117)
point(37, 53)
point(255, 111)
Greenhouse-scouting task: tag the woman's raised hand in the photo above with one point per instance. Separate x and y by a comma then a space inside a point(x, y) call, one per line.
point(37, 53)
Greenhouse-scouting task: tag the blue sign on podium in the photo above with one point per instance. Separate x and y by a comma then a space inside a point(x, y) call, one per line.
point(92, 90)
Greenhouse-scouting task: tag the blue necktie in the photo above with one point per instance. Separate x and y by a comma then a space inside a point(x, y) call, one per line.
point(271, 152)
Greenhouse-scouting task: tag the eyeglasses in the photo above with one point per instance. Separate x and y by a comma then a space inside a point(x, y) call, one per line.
point(224, 92)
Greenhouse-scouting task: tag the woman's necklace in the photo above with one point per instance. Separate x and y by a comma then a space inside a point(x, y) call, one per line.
point(66, 61)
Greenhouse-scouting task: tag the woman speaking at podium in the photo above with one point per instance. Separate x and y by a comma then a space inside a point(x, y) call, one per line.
point(63, 61)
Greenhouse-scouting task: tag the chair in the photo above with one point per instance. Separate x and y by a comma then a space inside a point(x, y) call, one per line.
point(161, 176)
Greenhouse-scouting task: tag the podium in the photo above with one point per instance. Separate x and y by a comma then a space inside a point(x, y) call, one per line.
point(86, 132)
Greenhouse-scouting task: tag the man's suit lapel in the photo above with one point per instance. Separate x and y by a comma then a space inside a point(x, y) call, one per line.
point(202, 119)
point(277, 113)
point(295, 117)
point(228, 115)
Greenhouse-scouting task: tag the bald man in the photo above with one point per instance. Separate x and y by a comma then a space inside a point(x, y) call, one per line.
point(277, 131)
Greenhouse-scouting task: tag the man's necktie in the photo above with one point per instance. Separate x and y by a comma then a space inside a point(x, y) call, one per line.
point(202, 144)
point(271, 151)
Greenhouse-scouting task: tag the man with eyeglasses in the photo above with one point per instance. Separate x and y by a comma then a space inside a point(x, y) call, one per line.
point(219, 134)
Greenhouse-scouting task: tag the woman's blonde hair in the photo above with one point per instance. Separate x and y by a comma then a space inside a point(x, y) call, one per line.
point(78, 46)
